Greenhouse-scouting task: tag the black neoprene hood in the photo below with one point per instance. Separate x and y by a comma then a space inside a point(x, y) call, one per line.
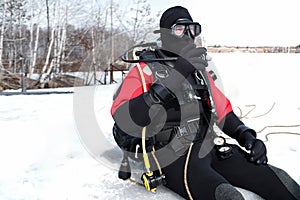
point(171, 15)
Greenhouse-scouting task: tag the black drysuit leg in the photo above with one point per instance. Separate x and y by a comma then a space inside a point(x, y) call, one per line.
point(265, 180)
point(211, 178)
point(202, 178)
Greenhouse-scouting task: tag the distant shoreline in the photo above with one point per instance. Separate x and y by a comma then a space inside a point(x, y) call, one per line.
point(263, 49)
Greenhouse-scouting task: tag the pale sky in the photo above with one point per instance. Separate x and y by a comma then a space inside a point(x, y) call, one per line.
point(244, 23)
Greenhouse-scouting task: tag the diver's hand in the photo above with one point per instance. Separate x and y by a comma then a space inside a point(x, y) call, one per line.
point(258, 150)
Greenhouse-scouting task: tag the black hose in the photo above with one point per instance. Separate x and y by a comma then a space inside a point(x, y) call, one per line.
point(151, 44)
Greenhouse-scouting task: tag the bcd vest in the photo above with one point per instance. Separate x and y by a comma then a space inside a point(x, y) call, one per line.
point(187, 120)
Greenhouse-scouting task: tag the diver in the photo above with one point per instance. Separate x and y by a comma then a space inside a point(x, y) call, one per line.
point(166, 112)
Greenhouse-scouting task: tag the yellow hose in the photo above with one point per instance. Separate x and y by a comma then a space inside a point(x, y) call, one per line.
point(145, 156)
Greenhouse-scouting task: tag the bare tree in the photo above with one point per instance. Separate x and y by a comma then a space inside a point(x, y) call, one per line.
point(48, 65)
point(36, 10)
point(138, 21)
point(95, 36)
point(56, 43)
point(48, 20)
point(3, 9)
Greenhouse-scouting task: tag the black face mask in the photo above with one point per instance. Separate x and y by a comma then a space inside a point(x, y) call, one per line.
point(174, 43)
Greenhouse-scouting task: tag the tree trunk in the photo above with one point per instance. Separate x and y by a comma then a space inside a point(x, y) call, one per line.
point(2, 33)
point(44, 75)
point(94, 57)
point(48, 23)
point(61, 42)
point(33, 59)
point(31, 40)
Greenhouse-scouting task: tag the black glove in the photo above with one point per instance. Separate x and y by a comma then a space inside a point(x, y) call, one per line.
point(258, 150)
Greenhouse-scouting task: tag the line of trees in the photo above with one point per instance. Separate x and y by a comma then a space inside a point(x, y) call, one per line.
point(52, 37)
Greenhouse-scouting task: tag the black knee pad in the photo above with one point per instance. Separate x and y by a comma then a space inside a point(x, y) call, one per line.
point(226, 191)
point(289, 183)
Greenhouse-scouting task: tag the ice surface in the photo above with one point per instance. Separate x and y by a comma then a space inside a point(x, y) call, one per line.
point(43, 157)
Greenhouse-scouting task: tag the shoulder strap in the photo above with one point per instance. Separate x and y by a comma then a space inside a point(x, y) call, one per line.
point(160, 69)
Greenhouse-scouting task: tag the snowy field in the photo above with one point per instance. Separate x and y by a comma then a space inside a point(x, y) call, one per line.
point(49, 143)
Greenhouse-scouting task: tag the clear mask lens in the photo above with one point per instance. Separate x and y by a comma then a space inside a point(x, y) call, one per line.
point(193, 29)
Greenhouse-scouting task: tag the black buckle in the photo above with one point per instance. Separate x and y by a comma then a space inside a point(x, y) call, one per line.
point(190, 127)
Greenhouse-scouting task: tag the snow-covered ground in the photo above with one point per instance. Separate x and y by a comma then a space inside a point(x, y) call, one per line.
point(49, 146)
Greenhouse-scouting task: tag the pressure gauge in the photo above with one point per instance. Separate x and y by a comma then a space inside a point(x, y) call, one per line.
point(219, 141)
point(224, 150)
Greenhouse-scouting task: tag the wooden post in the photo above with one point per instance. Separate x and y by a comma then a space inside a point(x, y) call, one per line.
point(23, 83)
